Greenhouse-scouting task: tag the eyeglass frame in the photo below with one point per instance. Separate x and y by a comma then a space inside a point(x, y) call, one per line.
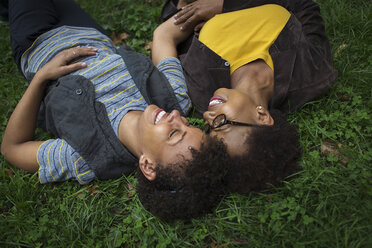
point(226, 121)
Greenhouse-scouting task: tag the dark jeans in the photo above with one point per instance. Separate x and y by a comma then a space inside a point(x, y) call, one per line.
point(4, 10)
point(28, 19)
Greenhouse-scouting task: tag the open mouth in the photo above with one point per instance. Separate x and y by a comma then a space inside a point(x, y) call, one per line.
point(159, 114)
point(215, 100)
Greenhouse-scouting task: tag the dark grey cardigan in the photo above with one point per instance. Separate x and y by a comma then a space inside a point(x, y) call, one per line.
point(69, 111)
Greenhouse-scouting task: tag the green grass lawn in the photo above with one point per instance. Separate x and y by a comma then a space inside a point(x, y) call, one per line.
point(328, 204)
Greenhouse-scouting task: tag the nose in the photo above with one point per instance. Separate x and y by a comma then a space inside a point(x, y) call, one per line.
point(209, 116)
point(174, 116)
point(176, 119)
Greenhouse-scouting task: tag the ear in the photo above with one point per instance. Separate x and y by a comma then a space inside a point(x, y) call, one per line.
point(147, 167)
point(264, 116)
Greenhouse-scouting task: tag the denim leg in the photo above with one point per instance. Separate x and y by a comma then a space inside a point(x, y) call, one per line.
point(28, 19)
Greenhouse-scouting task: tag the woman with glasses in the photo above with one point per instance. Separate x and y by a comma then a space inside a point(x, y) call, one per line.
point(252, 61)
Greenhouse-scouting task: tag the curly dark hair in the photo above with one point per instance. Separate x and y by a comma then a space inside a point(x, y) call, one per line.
point(187, 190)
point(272, 154)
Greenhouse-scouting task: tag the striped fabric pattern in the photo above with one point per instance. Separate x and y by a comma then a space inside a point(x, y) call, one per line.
point(114, 87)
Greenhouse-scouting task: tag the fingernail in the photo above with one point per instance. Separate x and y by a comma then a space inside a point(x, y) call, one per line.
point(175, 16)
point(181, 28)
point(84, 64)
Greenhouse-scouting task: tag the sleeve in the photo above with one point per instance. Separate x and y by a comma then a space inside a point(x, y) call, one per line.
point(172, 70)
point(58, 161)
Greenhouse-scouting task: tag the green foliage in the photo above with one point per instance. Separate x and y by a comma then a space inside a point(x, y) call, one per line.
point(327, 204)
point(139, 19)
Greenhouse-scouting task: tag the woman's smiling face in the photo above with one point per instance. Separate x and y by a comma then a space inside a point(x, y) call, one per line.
point(167, 137)
point(237, 106)
point(233, 104)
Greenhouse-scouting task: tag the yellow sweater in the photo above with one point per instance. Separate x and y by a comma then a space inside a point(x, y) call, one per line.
point(246, 35)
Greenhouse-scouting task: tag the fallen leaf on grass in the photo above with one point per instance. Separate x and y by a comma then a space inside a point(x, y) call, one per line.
point(223, 245)
point(118, 38)
point(130, 189)
point(9, 172)
point(93, 190)
point(80, 195)
point(149, 46)
point(239, 240)
point(213, 245)
point(344, 98)
point(332, 147)
point(340, 49)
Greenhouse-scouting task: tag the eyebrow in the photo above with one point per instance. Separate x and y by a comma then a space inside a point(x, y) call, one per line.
point(180, 140)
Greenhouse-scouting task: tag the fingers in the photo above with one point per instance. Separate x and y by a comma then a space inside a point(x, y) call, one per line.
point(187, 20)
point(183, 15)
point(189, 16)
point(76, 52)
point(59, 66)
point(71, 68)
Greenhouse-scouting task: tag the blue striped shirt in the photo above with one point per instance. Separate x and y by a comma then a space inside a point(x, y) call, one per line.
point(114, 87)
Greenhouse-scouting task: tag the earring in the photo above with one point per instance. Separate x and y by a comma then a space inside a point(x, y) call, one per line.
point(259, 107)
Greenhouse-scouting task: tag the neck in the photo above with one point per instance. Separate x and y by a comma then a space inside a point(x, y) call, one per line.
point(128, 132)
point(255, 79)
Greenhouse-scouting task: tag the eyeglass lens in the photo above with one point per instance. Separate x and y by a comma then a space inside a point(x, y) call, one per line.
point(219, 121)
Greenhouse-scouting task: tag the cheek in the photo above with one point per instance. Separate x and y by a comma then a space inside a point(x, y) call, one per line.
point(235, 148)
point(236, 142)
point(156, 135)
point(233, 106)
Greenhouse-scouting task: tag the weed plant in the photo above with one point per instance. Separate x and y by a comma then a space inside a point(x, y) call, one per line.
point(327, 204)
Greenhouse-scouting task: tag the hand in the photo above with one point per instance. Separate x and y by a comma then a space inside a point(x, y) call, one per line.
point(59, 66)
point(197, 13)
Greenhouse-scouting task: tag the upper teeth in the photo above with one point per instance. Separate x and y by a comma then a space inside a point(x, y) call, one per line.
point(159, 116)
point(214, 102)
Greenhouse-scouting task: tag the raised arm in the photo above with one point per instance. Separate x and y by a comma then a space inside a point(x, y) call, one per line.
point(18, 146)
point(165, 40)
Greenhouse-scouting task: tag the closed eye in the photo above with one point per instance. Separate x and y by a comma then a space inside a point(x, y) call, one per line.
point(173, 133)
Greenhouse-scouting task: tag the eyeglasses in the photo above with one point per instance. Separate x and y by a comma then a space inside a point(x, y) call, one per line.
point(221, 120)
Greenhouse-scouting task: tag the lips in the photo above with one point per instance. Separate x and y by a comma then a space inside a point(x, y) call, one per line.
point(215, 100)
point(158, 115)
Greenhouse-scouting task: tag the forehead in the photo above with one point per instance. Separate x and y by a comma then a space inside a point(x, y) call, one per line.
point(182, 150)
point(234, 137)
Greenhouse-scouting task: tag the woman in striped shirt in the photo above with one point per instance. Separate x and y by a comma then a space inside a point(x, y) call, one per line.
point(96, 100)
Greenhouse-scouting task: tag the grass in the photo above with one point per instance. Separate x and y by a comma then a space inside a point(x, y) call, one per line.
point(328, 204)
